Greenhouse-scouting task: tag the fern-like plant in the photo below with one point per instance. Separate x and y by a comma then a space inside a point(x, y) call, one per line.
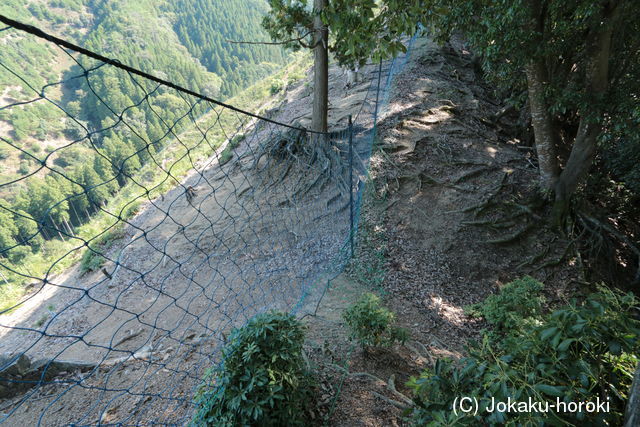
point(517, 302)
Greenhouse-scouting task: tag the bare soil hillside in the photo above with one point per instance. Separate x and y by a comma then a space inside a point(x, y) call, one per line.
point(440, 230)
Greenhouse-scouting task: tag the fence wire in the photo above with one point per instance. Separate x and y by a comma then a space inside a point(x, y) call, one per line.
point(196, 218)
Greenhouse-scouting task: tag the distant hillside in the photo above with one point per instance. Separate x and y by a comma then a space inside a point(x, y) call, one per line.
point(129, 119)
point(183, 40)
point(205, 26)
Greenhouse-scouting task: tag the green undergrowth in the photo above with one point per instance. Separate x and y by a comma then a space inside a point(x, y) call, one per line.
point(372, 324)
point(516, 305)
point(582, 352)
point(263, 379)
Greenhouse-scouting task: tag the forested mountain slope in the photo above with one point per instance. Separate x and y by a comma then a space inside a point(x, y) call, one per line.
point(184, 41)
point(78, 114)
point(205, 28)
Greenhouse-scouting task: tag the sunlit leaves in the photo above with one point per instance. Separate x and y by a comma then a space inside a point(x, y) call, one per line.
point(262, 380)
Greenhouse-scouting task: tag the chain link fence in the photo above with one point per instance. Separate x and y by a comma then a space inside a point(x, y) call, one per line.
point(153, 222)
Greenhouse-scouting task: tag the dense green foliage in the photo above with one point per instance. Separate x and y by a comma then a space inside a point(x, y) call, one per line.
point(364, 30)
point(517, 301)
point(262, 380)
point(206, 29)
point(359, 30)
point(141, 34)
point(578, 353)
point(136, 32)
point(372, 324)
point(566, 41)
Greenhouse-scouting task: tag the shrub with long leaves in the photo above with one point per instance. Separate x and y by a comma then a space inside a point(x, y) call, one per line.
point(262, 380)
point(582, 352)
point(372, 324)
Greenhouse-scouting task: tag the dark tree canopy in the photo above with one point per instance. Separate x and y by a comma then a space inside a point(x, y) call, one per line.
point(576, 62)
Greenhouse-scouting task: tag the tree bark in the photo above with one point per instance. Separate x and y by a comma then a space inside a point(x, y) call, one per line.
point(43, 231)
point(78, 218)
point(56, 227)
point(597, 83)
point(544, 136)
point(69, 229)
point(543, 131)
point(632, 414)
point(320, 70)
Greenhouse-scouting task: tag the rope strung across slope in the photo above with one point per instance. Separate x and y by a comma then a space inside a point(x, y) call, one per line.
point(114, 62)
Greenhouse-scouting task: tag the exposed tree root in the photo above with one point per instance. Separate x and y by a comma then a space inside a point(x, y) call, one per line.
point(390, 386)
point(316, 161)
point(472, 163)
point(390, 204)
point(557, 261)
point(472, 173)
point(388, 160)
point(535, 258)
point(422, 352)
point(333, 199)
point(393, 402)
point(511, 237)
point(525, 209)
point(477, 209)
point(422, 179)
point(437, 343)
point(599, 228)
point(495, 224)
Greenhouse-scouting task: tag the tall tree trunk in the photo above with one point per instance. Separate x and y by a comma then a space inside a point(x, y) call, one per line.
point(543, 131)
point(78, 218)
point(55, 227)
point(320, 70)
point(597, 83)
point(43, 231)
point(4, 278)
point(69, 229)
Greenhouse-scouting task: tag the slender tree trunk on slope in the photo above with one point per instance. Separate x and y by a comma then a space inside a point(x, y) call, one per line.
point(55, 227)
point(542, 127)
point(632, 414)
point(68, 227)
point(544, 135)
point(78, 219)
point(321, 71)
point(597, 83)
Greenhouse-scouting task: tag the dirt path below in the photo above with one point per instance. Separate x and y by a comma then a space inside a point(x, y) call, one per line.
point(428, 242)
